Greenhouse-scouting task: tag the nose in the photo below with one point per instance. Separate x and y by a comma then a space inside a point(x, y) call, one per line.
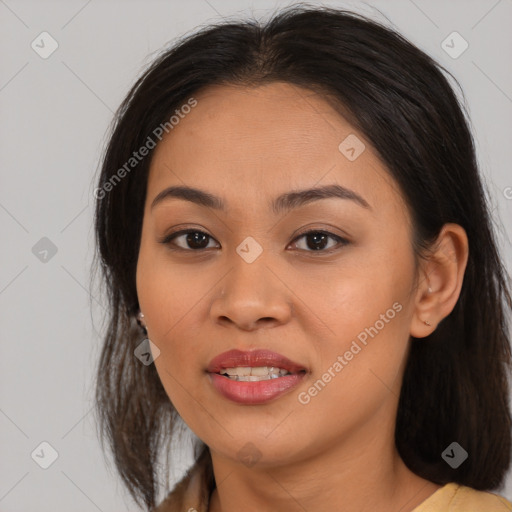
point(253, 296)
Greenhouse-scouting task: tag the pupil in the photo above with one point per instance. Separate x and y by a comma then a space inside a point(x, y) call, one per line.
point(318, 237)
point(195, 238)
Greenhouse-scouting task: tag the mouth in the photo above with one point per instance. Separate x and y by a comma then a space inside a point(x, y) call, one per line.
point(254, 377)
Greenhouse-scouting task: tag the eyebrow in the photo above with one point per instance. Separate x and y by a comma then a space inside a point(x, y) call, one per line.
point(283, 203)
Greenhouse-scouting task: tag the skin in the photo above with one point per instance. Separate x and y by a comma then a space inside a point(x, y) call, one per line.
point(247, 146)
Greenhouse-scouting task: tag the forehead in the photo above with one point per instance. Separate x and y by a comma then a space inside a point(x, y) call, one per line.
point(274, 121)
point(265, 140)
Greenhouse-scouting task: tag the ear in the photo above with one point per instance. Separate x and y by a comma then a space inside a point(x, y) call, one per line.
point(440, 280)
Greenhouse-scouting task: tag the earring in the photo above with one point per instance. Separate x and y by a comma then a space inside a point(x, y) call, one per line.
point(140, 316)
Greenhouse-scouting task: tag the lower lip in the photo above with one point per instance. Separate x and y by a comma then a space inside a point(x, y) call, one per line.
point(252, 393)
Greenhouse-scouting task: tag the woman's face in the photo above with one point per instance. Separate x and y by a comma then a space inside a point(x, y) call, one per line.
point(338, 302)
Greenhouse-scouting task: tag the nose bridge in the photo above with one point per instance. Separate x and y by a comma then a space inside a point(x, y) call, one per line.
point(249, 278)
point(251, 291)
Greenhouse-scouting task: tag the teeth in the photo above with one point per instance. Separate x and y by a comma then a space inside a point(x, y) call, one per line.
point(254, 374)
point(263, 370)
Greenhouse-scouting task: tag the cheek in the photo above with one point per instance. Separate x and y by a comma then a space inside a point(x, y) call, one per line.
point(371, 337)
point(358, 374)
point(171, 297)
point(168, 292)
point(368, 311)
point(369, 298)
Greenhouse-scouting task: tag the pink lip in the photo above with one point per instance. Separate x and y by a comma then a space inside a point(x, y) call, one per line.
point(252, 393)
point(233, 358)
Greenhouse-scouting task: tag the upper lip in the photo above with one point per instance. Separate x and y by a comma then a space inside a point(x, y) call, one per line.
point(254, 358)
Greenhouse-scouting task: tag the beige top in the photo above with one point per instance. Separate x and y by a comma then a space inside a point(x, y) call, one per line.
point(192, 494)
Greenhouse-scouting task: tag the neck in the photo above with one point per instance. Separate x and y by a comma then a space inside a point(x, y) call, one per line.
point(361, 473)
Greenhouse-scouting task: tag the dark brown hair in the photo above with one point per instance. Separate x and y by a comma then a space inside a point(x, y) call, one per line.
point(455, 386)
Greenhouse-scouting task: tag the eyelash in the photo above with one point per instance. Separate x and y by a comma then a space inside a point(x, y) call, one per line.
point(171, 236)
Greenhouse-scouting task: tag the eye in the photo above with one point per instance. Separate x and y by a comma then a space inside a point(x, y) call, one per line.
point(318, 240)
point(194, 240)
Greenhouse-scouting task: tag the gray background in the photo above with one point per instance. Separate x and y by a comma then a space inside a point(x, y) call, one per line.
point(55, 113)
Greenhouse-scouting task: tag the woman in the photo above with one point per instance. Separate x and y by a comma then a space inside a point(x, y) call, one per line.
point(301, 266)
